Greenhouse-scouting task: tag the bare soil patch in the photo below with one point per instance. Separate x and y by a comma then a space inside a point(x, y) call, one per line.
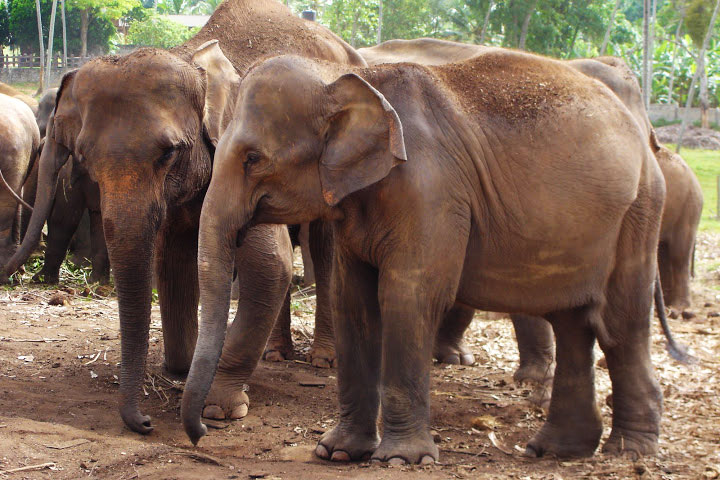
point(58, 403)
point(694, 137)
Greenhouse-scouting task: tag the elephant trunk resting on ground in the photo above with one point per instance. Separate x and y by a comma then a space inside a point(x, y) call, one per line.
point(146, 126)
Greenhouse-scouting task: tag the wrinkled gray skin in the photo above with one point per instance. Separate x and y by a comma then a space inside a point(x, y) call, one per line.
point(544, 201)
point(19, 142)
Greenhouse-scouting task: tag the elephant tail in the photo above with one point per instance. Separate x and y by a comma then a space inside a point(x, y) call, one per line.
point(676, 350)
point(13, 193)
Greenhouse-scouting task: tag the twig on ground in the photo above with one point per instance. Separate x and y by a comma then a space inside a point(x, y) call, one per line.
point(41, 466)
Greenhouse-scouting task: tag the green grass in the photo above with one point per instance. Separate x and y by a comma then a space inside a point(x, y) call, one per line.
point(706, 165)
point(28, 88)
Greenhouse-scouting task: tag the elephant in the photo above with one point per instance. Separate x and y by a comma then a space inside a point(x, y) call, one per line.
point(510, 182)
point(45, 109)
point(146, 126)
point(77, 197)
point(26, 99)
point(681, 214)
point(19, 142)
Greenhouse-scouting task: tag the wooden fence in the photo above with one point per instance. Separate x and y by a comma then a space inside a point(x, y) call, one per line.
point(33, 61)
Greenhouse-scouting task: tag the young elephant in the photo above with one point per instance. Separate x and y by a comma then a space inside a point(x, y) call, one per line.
point(510, 182)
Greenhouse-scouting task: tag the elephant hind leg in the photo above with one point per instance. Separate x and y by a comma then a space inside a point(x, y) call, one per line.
point(678, 257)
point(536, 346)
point(280, 345)
point(449, 345)
point(573, 427)
point(637, 398)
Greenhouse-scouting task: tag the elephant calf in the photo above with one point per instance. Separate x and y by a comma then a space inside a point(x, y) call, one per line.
point(509, 182)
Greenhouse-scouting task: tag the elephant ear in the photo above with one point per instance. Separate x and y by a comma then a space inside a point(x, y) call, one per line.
point(66, 121)
point(364, 138)
point(221, 89)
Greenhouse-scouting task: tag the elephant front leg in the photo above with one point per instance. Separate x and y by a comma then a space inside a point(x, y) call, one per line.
point(264, 275)
point(98, 249)
point(322, 353)
point(408, 336)
point(178, 292)
point(355, 437)
point(280, 345)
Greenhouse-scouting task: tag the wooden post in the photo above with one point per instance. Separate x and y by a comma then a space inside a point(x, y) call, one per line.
point(717, 204)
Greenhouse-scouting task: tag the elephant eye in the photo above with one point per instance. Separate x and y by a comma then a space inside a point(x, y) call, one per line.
point(252, 158)
point(167, 155)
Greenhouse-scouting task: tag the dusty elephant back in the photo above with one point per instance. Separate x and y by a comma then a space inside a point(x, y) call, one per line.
point(248, 30)
point(26, 99)
point(425, 51)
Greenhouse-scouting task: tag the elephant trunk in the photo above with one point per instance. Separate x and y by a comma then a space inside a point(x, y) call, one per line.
point(216, 253)
point(130, 233)
point(52, 159)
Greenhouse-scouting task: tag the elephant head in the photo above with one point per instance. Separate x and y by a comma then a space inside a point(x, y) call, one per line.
point(145, 126)
point(295, 149)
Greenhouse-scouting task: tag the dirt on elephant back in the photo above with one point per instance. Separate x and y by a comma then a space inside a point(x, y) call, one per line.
point(59, 354)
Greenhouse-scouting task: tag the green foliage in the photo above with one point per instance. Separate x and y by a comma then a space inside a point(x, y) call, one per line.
point(4, 24)
point(23, 28)
point(158, 32)
point(697, 19)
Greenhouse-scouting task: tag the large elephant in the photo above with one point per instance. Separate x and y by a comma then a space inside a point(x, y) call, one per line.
point(681, 214)
point(146, 126)
point(510, 182)
point(19, 143)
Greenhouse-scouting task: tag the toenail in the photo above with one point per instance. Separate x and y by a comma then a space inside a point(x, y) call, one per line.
point(427, 460)
point(397, 461)
point(340, 456)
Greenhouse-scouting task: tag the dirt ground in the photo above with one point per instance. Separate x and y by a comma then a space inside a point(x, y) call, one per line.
point(694, 137)
point(59, 367)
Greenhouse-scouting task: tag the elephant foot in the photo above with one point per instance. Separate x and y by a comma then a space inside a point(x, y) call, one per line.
point(537, 373)
point(227, 399)
point(399, 450)
point(631, 443)
point(46, 277)
point(453, 352)
point(569, 441)
point(343, 444)
point(135, 421)
point(322, 356)
point(272, 355)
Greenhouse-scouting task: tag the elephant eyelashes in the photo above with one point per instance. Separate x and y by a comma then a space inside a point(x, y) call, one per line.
point(251, 158)
point(167, 156)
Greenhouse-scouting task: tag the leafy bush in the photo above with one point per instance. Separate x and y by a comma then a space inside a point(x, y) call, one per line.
point(158, 32)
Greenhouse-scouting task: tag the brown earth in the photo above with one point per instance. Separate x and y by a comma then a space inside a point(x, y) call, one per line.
point(694, 137)
point(58, 403)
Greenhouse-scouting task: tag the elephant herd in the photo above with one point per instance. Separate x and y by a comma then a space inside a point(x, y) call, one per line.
point(434, 179)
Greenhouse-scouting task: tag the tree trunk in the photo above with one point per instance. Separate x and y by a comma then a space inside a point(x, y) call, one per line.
point(700, 66)
point(609, 28)
point(651, 49)
point(671, 84)
point(353, 33)
point(704, 101)
point(486, 22)
point(646, 54)
point(84, 22)
point(380, 20)
point(42, 47)
point(51, 36)
point(526, 25)
point(64, 31)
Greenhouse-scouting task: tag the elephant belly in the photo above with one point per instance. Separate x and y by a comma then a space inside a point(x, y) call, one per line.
point(516, 274)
